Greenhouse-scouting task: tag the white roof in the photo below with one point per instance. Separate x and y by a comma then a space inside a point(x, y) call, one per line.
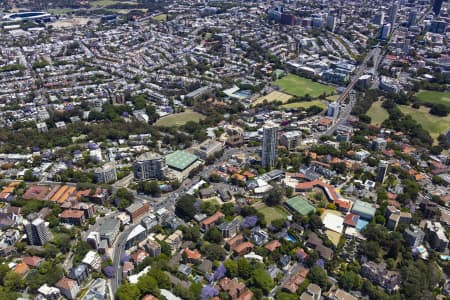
point(334, 222)
point(136, 231)
point(168, 295)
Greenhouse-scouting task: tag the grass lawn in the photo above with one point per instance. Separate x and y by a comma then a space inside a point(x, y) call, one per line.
point(304, 104)
point(299, 86)
point(103, 3)
point(333, 98)
point(434, 97)
point(180, 119)
point(161, 17)
point(433, 124)
point(60, 11)
point(377, 113)
point(272, 213)
point(273, 96)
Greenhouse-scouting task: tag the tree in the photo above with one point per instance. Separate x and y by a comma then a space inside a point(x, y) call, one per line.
point(274, 196)
point(232, 268)
point(191, 233)
point(13, 281)
point(128, 291)
point(185, 208)
point(244, 268)
point(349, 280)
point(263, 280)
point(213, 251)
point(148, 285)
point(213, 235)
point(318, 276)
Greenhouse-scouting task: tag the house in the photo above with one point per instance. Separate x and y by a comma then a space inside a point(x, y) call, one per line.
point(313, 292)
point(273, 245)
point(184, 269)
point(235, 289)
point(243, 248)
point(32, 261)
point(295, 280)
point(259, 236)
point(139, 256)
point(49, 293)
point(21, 269)
point(340, 295)
point(192, 256)
point(68, 287)
point(380, 275)
point(316, 243)
point(209, 222)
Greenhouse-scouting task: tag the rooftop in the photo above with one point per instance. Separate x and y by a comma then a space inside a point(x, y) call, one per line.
point(180, 160)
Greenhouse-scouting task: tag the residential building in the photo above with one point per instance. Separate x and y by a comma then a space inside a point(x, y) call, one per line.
point(229, 229)
point(106, 174)
point(93, 260)
point(150, 166)
point(98, 290)
point(437, 5)
point(37, 232)
point(79, 273)
point(382, 171)
point(72, 217)
point(208, 149)
point(269, 145)
point(380, 275)
point(436, 237)
point(68, 287)
point(174, 240)
point(209, 222)
point(109, 229)
point(413, 236)
point(340, 295)
point(313, 292)
point(49, 293)
point(291, 139)
point(153, 248)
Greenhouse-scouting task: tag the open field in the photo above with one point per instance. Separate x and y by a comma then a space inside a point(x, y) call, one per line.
point(103, 3)
point(434, 97)
point(161, 17)
point(377, 113)
point(273, 96)
point(180, 119)
point(433, 124)
point(299, 86)
point(304, 104)
point(333, 98)
point(272, 213)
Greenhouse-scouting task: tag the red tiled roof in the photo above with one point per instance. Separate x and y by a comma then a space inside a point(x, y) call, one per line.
point(192, 254)
point(65, 283)
point(32, 261)
point(21, 268)
point(273, 245)
point(72, 214)
point(213, 219)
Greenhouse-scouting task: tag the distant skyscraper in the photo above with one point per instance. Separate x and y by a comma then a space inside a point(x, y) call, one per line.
point(331, 23)
point(412, 18)
point(381, 171)
point(37, 232)
point(269, 145)
point(437, 5)
point(393, 14)
point(379, 18)
point(385, 31)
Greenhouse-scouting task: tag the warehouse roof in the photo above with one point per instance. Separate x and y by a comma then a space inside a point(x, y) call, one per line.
point(180, 160)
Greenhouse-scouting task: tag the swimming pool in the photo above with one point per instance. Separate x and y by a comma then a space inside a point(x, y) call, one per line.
point(290, 238)
point(361, 224)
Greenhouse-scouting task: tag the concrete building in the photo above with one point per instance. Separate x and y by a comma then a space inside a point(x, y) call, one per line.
point(269, 145)
point(331, 23)
point(49, 293)
point(382, 171)
point(437, 5)
point(435, 234)
point(72, 217)
point(150, 166)
point(93, 260)
point(208, 149)
point(385, 31)
point(413, 236)
point(106, 174)
point(68, 287)
point(291, 139)
point(153, 248)
point(37, 232)
point(333, 110)
point(364, 209)
point(137, 210)
point(109, 229)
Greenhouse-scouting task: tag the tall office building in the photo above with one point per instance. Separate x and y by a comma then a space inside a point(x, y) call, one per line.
point(333, 109)
point(382, 171)
point(393, 14)
point(150, 166)
point(37, 231)
point(385, 31)
point(106, 174)
point(437, 5)
point(331, 23)
point(412, 18)
point(270, 144)
point(379, 18)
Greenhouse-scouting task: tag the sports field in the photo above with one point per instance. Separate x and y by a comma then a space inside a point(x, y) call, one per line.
point(299, 86)
point(103, 3)
point(273, 96)
point(304, 104)
point(434, 97)
point(433, 124)
point(272, 213)
point(161, 17)
point(377, 113)
point(179, 119)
